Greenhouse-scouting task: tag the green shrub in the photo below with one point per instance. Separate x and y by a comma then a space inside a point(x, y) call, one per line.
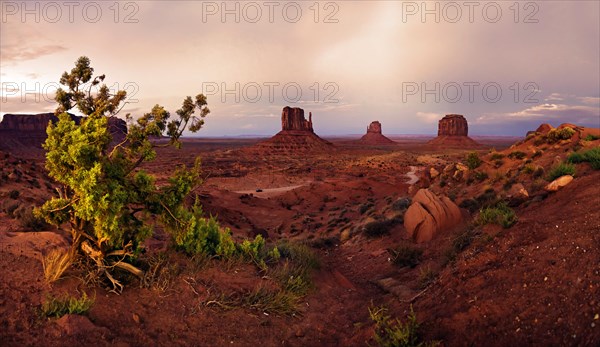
point(591, 156)
point(536, 154)
point(498, 163)
point(496, 156)
point(528, 169)
point(561, 170)
point(204, 236)
point(480, 176)
point(591, 137)
point(473, 160)
point(501, 214)
point(58, 307)
point(556, 135)
point(517, 155)
point(392, 332)
point(406, 255)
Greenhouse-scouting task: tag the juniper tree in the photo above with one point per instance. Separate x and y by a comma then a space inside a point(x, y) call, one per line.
point(109, 203)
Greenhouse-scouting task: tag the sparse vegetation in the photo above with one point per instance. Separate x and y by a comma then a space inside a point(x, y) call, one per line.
point(55, 264)
point(496, 156)
point(426, 277)
point(517, 155)
point(406, 255)
point(561, 170)
point(591, 156)
point(500, 214)
point(29, 220)
point(60, 306)
point(556, 135)
point(591, 137)
point(378, 228)
point(392, 332)
point(473, 160)
point(480, 176)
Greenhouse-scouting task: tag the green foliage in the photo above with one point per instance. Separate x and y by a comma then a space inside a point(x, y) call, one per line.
point(60, 306)
point(392, 332)
point(473, 160)
point(480, 176)
point(202, 235)
point(556, 135)
point(496, 156)
point(591, 156)
point(406, 255)
point(501, 214)
point(561, 170)
point(528, 169)
point(29, 220)
point(105, 197)
point(517, 155)
point(591, 137)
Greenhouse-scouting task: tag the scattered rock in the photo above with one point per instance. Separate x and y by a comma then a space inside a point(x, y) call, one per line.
point(433, 173)
point(558, 183)
point(517, 194)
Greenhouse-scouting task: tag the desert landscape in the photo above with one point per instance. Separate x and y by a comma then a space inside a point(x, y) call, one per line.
point(400, 225)
point(357, 173)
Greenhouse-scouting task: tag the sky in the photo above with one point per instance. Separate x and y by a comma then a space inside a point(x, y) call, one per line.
point(507, 66)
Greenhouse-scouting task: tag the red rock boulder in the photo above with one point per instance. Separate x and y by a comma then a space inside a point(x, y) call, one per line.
point(429, 214)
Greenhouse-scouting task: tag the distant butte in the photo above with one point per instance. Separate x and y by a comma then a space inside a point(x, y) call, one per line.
point(21, 131)
point(297, 134)
point(374, 135)
point(453, 131)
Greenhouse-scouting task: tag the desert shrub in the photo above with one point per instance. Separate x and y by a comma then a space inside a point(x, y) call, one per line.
point(443, 183)
point(299, 254)
point(517, 155)
point(392, 332)
point(29, 220)
point(365, 207)
point(401, 204)
point(55, 264)
point(377, 227)
point(14, 194)
point(473, 160)
point(406, 255)
point(496, 156)
point(500, 214)
point(162, 272)
point(204, 236)
point(556, 135)
point(498, 163)
point(591, 137)
point(538, 172)
point(10, 206)
point(60, 306)
point(426, 277)
point(536, 154)
point(470, 204)
point(528, 169)
point(591, 156)
point(487, 197)
point(480, 176)
point(561, 170)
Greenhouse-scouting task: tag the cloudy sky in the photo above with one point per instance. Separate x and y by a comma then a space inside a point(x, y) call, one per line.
point(507, 67)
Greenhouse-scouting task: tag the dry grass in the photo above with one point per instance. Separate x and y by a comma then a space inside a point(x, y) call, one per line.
point(56, 263)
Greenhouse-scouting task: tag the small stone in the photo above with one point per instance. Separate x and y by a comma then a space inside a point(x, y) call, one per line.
point(136, 318)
